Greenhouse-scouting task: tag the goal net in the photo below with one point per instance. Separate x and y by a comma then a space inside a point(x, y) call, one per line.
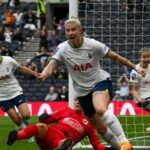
point(124, 26)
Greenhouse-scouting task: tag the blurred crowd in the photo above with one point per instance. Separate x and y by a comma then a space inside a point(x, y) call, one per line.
point(18, 24)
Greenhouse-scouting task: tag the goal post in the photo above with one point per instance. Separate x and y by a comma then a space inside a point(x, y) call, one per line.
point(73, 11)
point(125, 28)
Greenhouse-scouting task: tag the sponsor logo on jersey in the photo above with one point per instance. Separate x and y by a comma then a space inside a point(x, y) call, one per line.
point(82, 67)
point(74, 124)
point(4, 77)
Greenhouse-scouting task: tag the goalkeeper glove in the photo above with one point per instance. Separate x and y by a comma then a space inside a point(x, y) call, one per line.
point(43, 117)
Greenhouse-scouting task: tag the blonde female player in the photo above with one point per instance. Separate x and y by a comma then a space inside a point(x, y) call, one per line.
point(81, 56)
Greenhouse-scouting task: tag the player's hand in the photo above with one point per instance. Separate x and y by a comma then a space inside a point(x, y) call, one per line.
point(142, 100)
point(41, 77)
point(43, 117)
point(140, 71)
point(36, 74)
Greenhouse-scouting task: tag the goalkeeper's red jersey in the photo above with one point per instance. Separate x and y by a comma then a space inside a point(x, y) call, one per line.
point(75, 126)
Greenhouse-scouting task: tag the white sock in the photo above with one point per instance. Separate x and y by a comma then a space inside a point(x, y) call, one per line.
point(111, 138)
point(114, 125)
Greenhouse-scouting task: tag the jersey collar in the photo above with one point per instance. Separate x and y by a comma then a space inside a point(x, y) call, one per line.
point(81, 42)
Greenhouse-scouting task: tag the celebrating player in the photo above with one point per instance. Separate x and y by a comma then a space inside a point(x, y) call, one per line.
point(140, 85)
point(70, 128)
point(81, 56)
point(11, 94)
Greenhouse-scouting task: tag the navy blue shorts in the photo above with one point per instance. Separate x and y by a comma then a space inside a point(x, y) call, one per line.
point(86, 101)
point(6, 105)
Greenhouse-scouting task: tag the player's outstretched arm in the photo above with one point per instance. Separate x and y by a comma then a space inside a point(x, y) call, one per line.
point(48, 70)
point(54, 116)
point(28, 71)
point(46, 118)
point(114, 56)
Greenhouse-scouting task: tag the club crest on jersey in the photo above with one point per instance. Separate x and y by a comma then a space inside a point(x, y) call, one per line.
point(133, 76)
point(89, 55)
point(85, 121)
point(105, 48)
point(82, 67)
point(7, 69)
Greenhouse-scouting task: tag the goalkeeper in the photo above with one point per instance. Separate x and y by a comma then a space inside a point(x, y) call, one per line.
point(140, 86)
point(71, 127)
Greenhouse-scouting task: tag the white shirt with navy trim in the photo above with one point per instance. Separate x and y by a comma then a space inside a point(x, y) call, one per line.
point(9, 86)
point(143, 82)
point(83, 63)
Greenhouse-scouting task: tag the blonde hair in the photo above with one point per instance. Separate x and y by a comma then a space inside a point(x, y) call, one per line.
point(143, 50)
point(73, 20)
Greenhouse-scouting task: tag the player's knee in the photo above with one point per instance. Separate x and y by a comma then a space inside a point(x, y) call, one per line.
point(41, 126)
point(18, 121)
point(26, 116)
point(101, 111)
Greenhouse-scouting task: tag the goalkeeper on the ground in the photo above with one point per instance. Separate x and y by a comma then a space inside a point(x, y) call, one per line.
point(70, 128)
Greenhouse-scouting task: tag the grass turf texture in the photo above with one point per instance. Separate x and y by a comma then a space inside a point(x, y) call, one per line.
point(7, 125)
point(135, 126)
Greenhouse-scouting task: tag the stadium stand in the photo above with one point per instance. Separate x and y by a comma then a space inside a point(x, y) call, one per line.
point(118, 40)
point(123, 40)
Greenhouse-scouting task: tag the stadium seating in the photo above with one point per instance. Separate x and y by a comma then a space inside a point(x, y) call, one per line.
point(120, 40)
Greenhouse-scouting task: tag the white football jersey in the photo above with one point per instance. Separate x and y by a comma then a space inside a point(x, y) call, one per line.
point(143, 82)
point(83, 63)
point(9, 86)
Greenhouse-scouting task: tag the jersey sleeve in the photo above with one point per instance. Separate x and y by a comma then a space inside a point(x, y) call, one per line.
point(101, 49)
point(57, 53)
point(94, 139)
point(55, 116)
point(134, 77)
point(14, 63)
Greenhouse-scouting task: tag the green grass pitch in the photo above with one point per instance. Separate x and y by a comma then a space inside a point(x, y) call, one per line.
point(7, 125)
point(134, 126)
